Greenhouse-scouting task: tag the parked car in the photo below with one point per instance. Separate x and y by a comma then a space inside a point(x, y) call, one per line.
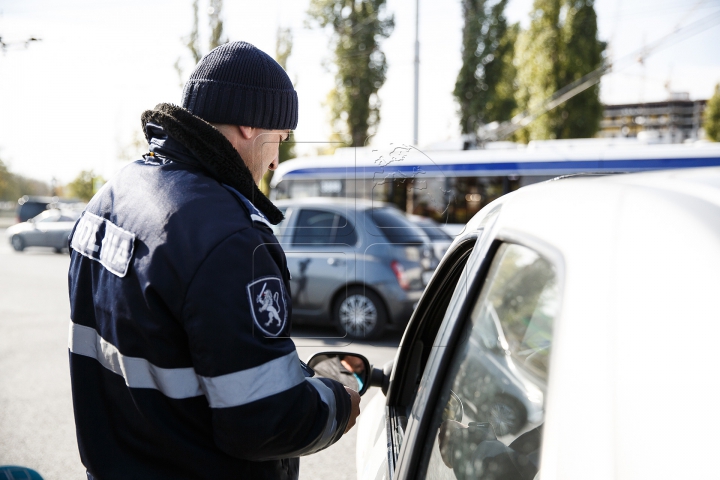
point(590, 303)
point(29, 206)
point(356, 265)
point(439, 237)
point(51, 229)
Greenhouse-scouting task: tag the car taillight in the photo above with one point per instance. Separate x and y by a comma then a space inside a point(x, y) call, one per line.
point(399, 272)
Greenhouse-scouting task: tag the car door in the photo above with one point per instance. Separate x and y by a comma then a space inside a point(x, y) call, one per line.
point(479, 410)
point(40, 235)
point(381, 431)
point(321, 258)
point(59, 231)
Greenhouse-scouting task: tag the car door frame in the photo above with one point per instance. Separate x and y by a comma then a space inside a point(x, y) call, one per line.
point(403, 462)
point(421, 327)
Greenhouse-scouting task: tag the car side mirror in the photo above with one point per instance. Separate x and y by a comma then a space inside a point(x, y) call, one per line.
point(381, 377)
point(351, 369)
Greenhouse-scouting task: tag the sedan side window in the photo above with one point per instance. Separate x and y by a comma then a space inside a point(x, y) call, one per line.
point(321, 227)
point(314, 226)
point(488, 421)
point(345, 232)
point(47, 216)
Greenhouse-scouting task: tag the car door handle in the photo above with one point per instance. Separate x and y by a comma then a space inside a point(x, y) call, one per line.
point(336, 262)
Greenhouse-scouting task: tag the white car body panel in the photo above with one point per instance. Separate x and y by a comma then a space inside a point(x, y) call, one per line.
point(371, 439)
point(632, 385)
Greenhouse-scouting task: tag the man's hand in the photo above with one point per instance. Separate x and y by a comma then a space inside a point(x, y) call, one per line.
point(354, 409)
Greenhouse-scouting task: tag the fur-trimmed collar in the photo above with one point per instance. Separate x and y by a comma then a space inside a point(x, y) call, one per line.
point(213, 151)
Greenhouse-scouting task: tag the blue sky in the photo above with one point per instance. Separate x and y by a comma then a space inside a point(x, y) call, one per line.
point(73, 101)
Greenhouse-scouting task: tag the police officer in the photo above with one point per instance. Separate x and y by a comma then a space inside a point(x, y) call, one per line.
point(180, 356)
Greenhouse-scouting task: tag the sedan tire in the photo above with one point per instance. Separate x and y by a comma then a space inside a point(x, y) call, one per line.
point(18, 243)
point(359, 314)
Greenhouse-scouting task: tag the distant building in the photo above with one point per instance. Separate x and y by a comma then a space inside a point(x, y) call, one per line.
point(672, 121)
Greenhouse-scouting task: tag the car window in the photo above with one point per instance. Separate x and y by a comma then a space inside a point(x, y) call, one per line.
point(30, 209)
point(314, 226)
point(47, 216)
point(435, 232)
point(488, 421)
point(395, 227)
point(323, 227)
point(345, 231)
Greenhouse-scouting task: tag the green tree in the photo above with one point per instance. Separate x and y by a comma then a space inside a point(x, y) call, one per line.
point(6, 182)
point(216, 24)
point(14, 186)
point(192, 40)
point(712, 116)
point(484, 86)
point(538, 56)
point(358, 26)
point(560, 46)
point(85, 185)
point(286, 150)
point(583, 53)
point(283, 50)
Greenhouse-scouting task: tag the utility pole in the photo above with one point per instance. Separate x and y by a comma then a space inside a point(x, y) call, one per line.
point(417, 72)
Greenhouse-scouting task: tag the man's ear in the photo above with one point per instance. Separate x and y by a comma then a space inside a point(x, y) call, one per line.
point(247, 132)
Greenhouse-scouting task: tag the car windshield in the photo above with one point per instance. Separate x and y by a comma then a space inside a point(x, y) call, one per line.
point(47, 216)
point(434, 231)
point(395, 227)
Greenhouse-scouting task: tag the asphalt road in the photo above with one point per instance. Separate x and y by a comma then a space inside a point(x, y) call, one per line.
point(36, 417)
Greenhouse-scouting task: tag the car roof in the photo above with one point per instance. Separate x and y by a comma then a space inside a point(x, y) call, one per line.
point(332, 202)
point(636, 337)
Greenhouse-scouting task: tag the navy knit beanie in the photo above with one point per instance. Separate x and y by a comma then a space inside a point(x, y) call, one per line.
point(238, 84)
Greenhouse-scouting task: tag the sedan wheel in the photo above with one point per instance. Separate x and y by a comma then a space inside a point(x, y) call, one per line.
point(359, 314)
point(18, 243)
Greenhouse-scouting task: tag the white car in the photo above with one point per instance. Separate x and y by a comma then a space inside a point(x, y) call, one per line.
point(569, 333)
point(51, 229)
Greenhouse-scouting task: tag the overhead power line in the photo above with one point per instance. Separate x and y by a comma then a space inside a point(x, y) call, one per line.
point(503, 130)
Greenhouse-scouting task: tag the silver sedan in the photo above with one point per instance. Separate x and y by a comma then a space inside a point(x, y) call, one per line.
point(51, 229)
point(358, 265)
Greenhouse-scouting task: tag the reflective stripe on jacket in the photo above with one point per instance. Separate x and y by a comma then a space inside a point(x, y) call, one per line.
point(180, 356)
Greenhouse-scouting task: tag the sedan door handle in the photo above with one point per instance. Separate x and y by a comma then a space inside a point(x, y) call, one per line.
point(335, 261)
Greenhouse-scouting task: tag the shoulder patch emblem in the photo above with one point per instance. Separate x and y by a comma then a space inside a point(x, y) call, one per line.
point(267, 303)
point(101, 240)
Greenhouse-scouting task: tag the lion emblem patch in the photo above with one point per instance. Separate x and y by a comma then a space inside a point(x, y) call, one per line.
point(267, 299)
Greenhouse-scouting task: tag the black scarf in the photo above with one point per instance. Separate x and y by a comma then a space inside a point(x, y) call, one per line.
point(213, 151)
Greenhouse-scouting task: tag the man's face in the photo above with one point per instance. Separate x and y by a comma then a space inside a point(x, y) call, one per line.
point(264, 152)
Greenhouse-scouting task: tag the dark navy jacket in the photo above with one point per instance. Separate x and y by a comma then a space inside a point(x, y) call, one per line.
point(180, 356)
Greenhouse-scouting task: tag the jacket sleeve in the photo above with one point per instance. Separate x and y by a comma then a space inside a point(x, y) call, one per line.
point(262, 405)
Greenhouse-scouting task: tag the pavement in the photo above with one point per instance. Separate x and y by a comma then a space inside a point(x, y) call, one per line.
point(36, 416)
point(7, 221)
